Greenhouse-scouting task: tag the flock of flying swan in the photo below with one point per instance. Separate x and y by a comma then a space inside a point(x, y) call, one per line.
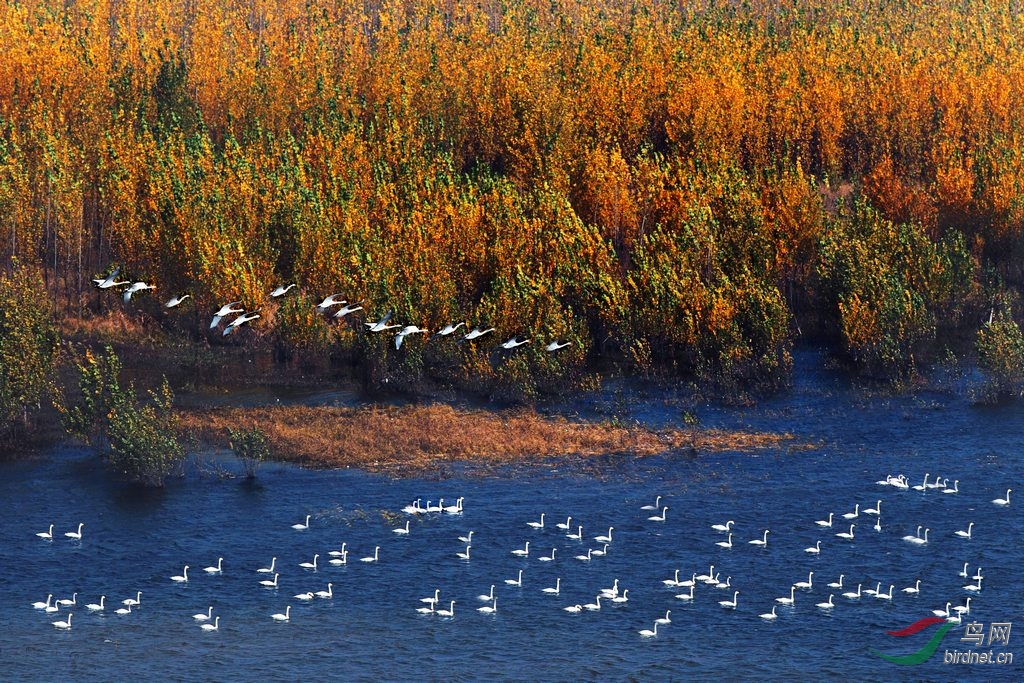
point(434, 606)
point(234, 316)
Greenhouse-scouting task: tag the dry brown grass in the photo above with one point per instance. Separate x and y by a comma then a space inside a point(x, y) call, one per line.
point(419, 437)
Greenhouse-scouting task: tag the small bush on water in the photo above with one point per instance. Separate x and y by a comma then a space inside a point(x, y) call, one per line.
point(140, 440)
point(251, 447)
point(1000, 346)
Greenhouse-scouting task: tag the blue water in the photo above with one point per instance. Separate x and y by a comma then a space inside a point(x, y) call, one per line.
point(135, 540)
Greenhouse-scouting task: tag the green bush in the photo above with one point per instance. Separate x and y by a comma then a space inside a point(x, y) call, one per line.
point(1000, 346)
point(251, 447)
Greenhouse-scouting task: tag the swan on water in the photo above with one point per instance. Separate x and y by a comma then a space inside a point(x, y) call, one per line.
point(133, 601)
point(659, 518)
point(522, 552)
point(851, 595)
point(648, 633)
point(548, 558)
point(877, 510)
point(769, 615)
point(822, 522)
point(723, 527)
point(97, 607)
point(885, 596)
point(489, 596)
point(826, 605)
point(790, 599)
point(920, 541)
point(302, 526)
point(1003, 501)
point(402, 530)
point(554, 590)
point(450, 612)
point(516, 582)
point(43, 605)
point(965, 534)
point(656, 506)
point(46, 535)
point(538, 525)
point(204, 617)
point(848, 535)
point(837, 584)
point(760, 541)
point(270, 584)
point(268, 570)
point(599, 553)
point(726, 543)
point(465, 555)
point(605, 539)
point(916, 588)
point(854, 514)
point(730, 604)
point(665, 619)
point(63, 624)
point(77, 535)
point(182, 577)
point(489, 609)
point(283, 617)
point(311, 565)
point(212, 627)
point(215, 570)
point(808, 584)
point(375, 558)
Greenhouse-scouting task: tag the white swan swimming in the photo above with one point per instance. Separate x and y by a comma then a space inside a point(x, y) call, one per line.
point(790, 599)
point(270, 584)
point(212, 627)
point(488, 597)
point(311, 565)
point(336, 553)
point(826, 605)
point(204, 617)
point(923, 486)
point(908, 537)
point(973, 587)
point(426, 610)
point(182, 577)
point(854, 514)
point(877, 510)
point(808, 584)
point(920, 541)
point(942, 612)
point(965, 534)
point(97, 607)
point(465, 555)
point(760, 541)
point(613, 591)
point(454, 509)
point(723, 527)
point(705, 577)
point(554, 590)
point(268, 570)
point(401, 530)
point(730, 604)
point(123, 610)
point(593, 606)
point(686, 596)
point(605, 539)
point(665, 620)
point(565, 526)
point(375, 558)
point(621, 598)
point(522, 552)
point(304, 596)
point(46, 535)
point(63, 624)
point(467, 539)
point(414, 508)
point(599, 553)
point(437, 596)
point(875, 590)
point(822, 522)
point(585, 558)
point(674, 581)
point(215, 570)
point(851, 595)
point(548, 558)
point(769, 615)
point(837, 584)
point(848, 535)
point(816, 550)
point(450, 612)
point(516, 582)
point(1003, 501)
point(489, 609)
point(657, 504)
point(578, 536)
point(885, 596)
point(538, 525)
point(724, 584)
point(878, 524)
point(302, 526)
point(955, 489)
point(726, 543)
point(65, 602)
point(692, 581)
point(659, 518)
point(575, 609)
point(283, 617)
point(964, 572)
point(43, 605)
point(963, 609)
point(916, 588)
point(337, 561)
point(133, 601)
point(77, 535)
point(648, 633)
point(52, 608)
point(977, 574)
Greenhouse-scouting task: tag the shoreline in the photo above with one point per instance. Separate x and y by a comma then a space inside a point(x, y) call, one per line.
point(414, 438)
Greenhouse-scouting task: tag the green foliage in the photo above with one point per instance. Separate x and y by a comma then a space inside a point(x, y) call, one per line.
point(890, 286)
point(28, 347)
point(1000, 346)
point(251, 447)
point(140, 439)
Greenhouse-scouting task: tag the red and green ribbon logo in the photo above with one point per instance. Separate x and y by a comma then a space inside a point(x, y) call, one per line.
point(925, 652)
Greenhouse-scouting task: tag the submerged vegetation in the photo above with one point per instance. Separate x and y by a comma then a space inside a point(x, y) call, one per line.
point(681, 188)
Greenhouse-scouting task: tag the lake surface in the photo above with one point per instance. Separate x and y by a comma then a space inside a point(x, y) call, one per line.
point(370, 630)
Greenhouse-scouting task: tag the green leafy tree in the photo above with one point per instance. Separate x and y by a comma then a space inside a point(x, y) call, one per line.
point(1000, 346)
point(251, 447)
point(140, 439)
point(29, 345)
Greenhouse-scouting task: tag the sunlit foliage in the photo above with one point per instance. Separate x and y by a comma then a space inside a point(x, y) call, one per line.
point(648, 180)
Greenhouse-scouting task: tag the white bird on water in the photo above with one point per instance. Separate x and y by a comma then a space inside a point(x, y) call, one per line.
point(1003, 501)
point(46, 535)
point(302, 526)
point(75, 535)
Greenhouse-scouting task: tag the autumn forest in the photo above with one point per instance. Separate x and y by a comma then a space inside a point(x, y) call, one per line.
point(688, 186)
